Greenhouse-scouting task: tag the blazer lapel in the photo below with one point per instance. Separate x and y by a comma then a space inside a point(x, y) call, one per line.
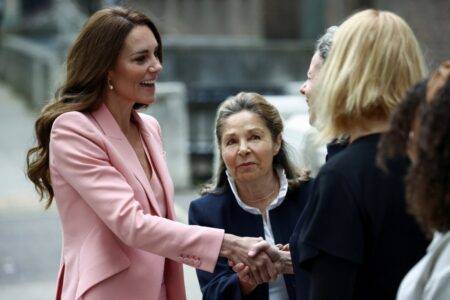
point(159, 163)
point(115, 135)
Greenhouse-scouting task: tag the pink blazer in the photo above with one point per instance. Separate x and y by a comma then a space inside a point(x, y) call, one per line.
point(114, 240)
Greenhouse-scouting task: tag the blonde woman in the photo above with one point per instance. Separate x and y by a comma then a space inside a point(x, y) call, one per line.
point(356, 239)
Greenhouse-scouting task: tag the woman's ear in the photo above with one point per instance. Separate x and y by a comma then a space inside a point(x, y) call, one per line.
point(110, 80)
point(277, 144)
point(110, 75)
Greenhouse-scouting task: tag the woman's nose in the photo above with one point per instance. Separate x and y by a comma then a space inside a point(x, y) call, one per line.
point(243, 148)
point(303, 89)
point(156, 66)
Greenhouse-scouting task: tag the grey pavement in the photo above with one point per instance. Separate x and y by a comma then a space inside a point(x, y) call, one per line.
point(30, 237)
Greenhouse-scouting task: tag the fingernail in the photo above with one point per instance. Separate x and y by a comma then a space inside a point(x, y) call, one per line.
point(251, 252)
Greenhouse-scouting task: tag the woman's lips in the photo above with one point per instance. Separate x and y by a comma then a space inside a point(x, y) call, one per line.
point(148, 85)
point(246, 164)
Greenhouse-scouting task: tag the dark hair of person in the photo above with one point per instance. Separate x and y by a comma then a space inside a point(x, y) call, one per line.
point(254, 103)
point(92, 55)
point(394, 143)
point(428, 178)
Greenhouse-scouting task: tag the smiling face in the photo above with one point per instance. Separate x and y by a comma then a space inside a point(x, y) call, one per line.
point(137, 67)
point(307, 87)
point(247, 147)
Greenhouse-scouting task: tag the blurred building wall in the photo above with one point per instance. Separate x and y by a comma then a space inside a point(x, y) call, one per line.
point(238, 18)
point(429, 19)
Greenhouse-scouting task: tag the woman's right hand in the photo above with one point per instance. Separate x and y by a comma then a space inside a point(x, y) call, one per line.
point(281, 253)
point(261, 265)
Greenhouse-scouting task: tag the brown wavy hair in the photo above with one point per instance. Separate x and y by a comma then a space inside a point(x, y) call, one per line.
point(257, 104)
point(92, 55)
point(428, 178)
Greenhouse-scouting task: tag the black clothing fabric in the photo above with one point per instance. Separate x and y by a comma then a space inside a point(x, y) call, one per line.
point(335, 274)
point(355, 236)
point(223, 211)
point(334, 148)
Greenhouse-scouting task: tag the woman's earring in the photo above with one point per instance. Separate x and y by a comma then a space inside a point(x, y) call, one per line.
point(110, 86)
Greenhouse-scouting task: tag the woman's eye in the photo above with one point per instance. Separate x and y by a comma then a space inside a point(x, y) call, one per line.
point(140, 59)
point(255, 137)
point(230, 142)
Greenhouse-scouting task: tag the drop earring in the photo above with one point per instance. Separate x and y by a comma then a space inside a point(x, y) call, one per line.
point(110, 86)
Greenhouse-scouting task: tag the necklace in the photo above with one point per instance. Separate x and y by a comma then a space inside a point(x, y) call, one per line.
point(264, 198)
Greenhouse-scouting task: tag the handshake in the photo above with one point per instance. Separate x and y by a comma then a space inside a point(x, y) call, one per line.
point(255, 260)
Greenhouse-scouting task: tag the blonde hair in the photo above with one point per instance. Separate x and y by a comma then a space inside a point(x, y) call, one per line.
point(374, 60)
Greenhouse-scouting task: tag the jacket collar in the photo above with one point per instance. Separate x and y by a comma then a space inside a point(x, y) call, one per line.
point(275, 202)
point(158, 161)
point(111, 129)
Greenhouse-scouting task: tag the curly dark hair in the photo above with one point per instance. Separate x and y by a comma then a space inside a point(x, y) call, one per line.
point(395, 141)
point(428, 178)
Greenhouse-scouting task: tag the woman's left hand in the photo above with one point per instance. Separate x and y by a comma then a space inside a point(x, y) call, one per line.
point(283, 247)
point(245, 279)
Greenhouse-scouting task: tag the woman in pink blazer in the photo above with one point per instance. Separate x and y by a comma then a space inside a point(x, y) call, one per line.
point(103, 163)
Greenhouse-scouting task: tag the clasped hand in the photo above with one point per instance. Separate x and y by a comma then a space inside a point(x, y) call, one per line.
point(255, 260)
